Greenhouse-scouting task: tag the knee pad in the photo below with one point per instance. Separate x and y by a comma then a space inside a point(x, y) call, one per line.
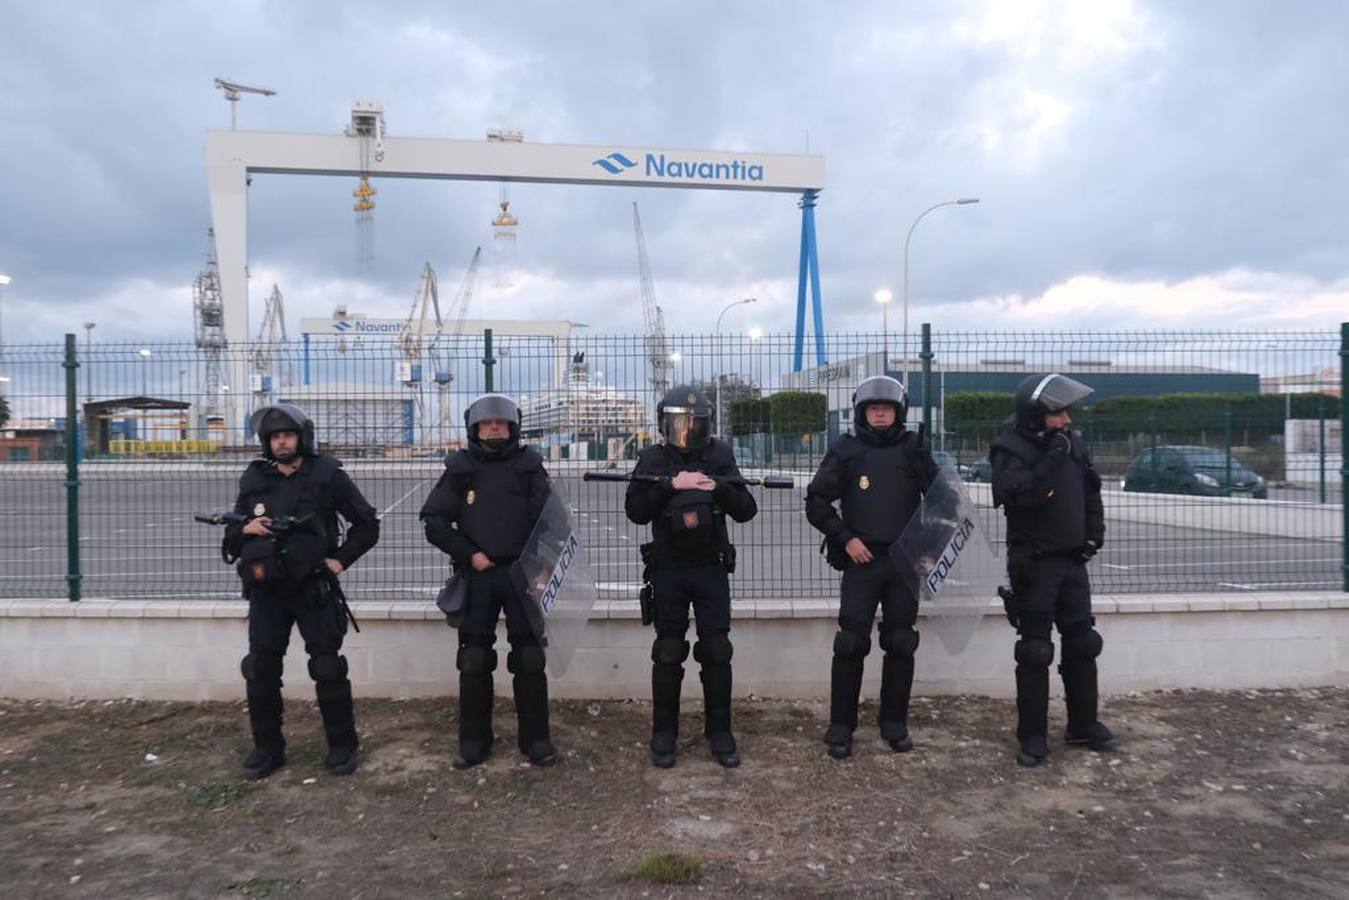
point(1034, 652)
point(476, 660)
point(669, 651)
point(900, 641)
point(713, 650)
point(328, 667)
point(1082, 643)
point(262, 666)
point(848, 645)
point(527, 659)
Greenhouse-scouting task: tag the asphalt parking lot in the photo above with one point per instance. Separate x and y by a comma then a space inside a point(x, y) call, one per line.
point(137, 539)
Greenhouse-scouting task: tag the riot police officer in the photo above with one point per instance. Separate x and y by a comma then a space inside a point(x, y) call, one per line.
point(1044, 481)
point(879, 474)
point(698, 485)
point(290, 579)
point(481, 513)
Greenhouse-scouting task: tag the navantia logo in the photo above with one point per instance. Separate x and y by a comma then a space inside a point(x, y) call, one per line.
point(615, 163)
point(658, 165)
point(341, 326)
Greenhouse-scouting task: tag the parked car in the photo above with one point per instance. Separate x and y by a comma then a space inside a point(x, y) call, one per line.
point(942, 457)
point(979, 470)
point(1185, 469)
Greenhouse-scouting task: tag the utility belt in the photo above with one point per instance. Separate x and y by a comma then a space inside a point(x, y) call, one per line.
point(724, 557)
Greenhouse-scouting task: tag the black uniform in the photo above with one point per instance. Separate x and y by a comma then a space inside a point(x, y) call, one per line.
point(305, 597)
point(488, 500)
point(692, 552)
point(1051, 496)
point(879, 477)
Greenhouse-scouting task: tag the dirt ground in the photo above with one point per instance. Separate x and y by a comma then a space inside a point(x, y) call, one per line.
point(1212, 794)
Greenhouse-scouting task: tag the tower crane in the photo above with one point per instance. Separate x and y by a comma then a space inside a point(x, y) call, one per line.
point(209, 319)
point(657, 354)
point(267, 348)
point(232, 91)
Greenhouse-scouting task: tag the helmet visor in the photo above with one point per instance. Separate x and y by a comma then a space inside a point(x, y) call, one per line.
point(686, 430)
point(880, 389)
point(1056, 392)
point(493, 406)
point(280, 417)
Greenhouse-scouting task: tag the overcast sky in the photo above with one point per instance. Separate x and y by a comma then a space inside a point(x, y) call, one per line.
point(1139, 165)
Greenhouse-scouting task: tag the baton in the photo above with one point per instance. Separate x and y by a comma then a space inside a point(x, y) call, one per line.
point(769, 481)
point(225, 518)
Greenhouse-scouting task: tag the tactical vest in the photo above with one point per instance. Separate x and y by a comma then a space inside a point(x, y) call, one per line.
point(883, 486)
point(494, 509)
point(691, 530)
point(1060, 523)
point(307, 493)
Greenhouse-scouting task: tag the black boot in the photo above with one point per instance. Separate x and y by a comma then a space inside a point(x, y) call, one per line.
point(716, 680)
point(332, 688)
point(838, 740)
point(1081, 698)
point(845, 684)
point(262, 684)
point(896, 685)
point(722, 746)
point(666, 682)
point(339, 726)
point(261, 762)
point(475, 719)
point(1032, 714)
point(531, 705)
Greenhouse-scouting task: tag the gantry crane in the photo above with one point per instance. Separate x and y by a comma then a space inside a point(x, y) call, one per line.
point(657, 354)
point(425, 317)
point(268, 347)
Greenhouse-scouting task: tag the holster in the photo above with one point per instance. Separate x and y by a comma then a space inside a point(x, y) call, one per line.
point(1010, 607)
point(646, 597)
point(835, 555)
point(727, 554)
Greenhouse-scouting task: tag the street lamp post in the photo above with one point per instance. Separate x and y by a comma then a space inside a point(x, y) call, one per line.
point(883, 297)
point(904, 350)
point(720, 354)
point(145, 368)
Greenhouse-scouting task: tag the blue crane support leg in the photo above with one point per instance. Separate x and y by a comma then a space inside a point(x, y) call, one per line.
point(810, 266)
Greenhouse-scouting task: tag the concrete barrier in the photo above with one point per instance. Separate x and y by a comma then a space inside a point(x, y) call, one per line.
point(51, 649)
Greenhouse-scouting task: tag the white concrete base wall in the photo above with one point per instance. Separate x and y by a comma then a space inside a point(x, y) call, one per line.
point(191, 650)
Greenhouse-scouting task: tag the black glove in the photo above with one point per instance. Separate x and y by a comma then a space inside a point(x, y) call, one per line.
point(1086, 552)
point(1060, 442)
point(1009, 606)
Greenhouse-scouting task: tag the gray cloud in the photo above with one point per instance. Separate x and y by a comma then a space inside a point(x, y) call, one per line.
point(1156, 142)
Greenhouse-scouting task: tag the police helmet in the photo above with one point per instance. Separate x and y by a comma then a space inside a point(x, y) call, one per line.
point(283, 417)
point(685, 417)
point(880, 389)
point(492, 406)
point(1040, 394)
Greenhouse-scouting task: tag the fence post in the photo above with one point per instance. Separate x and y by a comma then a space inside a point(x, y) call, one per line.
point(926, 357)
point(1227, 442)
point(72, 473)
point(487, 360)
point(1321, 441)
point(1344, 448)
